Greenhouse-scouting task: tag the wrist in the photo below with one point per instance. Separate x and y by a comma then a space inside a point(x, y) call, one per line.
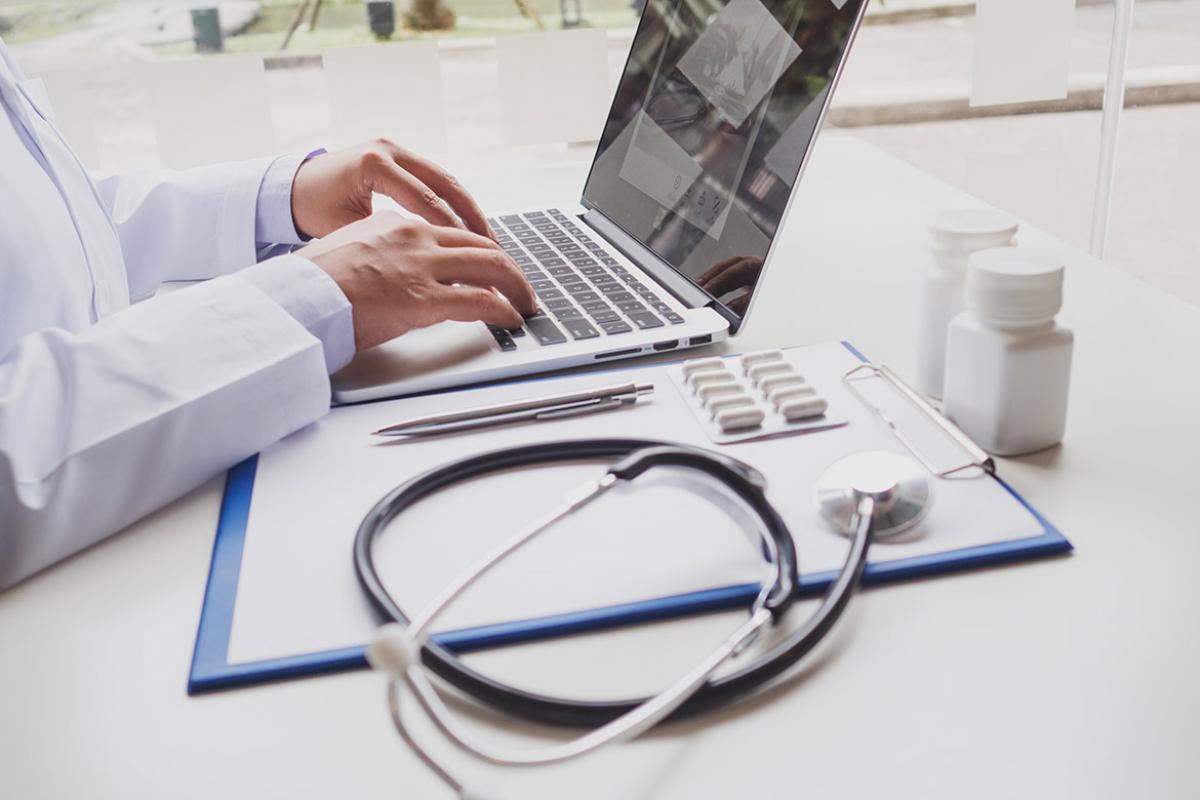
point(299, 202)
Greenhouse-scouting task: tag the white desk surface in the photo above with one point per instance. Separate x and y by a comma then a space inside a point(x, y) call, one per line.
point(1071, 677)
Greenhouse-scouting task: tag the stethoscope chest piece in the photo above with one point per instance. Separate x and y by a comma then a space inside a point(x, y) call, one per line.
point(898, 485)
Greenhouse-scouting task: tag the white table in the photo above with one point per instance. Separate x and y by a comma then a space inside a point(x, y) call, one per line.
point(1071, 677)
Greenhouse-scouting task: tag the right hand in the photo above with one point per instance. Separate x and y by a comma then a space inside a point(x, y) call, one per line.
point(400, 274)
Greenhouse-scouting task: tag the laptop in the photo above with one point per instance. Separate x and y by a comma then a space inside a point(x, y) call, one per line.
point(713, 119)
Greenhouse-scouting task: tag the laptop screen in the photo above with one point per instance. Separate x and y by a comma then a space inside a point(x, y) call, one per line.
point(715, 111)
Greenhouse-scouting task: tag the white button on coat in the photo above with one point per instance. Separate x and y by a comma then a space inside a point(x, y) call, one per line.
point(108, 412)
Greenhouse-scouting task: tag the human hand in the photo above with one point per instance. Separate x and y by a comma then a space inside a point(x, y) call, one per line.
point(335, 189)
point(400, 274)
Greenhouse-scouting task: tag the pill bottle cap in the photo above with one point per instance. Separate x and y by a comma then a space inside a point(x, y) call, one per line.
point(1014, 284)
point(965, 230)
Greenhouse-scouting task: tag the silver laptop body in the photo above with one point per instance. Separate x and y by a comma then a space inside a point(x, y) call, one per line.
point(713, 120)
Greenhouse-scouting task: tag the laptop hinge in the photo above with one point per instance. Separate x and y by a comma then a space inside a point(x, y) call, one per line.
point(684, 290)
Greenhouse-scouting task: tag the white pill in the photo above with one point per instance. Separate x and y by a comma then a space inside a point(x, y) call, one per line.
point(737, 419)
point(697, 364)
point(698, 379)
point(760, 371)
point(750, 359)
point(713, 389)
point(773, 382)
point(723, 401)
point(803, 408)
point(785, 393)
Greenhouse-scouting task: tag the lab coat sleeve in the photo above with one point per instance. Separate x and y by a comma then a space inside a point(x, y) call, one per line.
point(100, 428)
point(184, 225)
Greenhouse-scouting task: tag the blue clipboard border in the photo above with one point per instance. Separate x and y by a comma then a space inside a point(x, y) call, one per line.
point(211, 671)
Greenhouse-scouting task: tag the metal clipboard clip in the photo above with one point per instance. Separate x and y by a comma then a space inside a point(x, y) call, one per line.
point(979, 459)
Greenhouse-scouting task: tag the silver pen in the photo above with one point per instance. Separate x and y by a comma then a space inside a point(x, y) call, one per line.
point(539, 408)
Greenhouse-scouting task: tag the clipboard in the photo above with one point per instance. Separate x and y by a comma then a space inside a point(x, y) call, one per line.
point(212, 668)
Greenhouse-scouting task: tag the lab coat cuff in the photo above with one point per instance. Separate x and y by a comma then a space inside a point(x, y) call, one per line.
point(236, 219)
point(313, 299)
point(273, 222)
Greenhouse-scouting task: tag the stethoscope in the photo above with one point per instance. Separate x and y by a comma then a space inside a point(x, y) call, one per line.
point(867, 496)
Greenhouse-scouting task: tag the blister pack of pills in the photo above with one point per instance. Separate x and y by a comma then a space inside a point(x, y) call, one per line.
point(754, 396)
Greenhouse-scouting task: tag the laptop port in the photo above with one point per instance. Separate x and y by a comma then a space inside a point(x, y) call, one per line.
point(618, 353)
point(705, 339)
point(671, 345)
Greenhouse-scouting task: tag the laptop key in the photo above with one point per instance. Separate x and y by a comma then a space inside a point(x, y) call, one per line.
point(645, 320)
point(503, 338)
point(563, 314)
point(585, 296)
point(615, 327)
point(611, 289)
point(542, 283)
point(563, 270)
point(672, 317)
point(544, 330)
point(576, 289)
point(580, 329)
point(511, 219)
point(559, 303)
point(632, 307)
point(605, 317)
point(549, 294)
point(621, 297)
point(592, 306)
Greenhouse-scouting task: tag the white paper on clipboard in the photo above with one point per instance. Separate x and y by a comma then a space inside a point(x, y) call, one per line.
point(297, 592)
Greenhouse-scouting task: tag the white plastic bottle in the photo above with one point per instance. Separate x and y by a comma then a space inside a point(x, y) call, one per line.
point(956, 235)
point(1008, 363)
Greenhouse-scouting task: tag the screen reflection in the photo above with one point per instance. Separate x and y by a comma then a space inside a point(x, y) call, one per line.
point(717, 106)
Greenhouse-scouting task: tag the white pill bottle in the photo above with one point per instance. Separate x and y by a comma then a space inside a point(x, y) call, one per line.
point(955, 235)
point(1008, 363)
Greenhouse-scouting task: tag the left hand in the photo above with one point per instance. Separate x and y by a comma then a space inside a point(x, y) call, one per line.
point(335, 189)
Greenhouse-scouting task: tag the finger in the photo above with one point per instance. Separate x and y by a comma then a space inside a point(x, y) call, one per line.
point(447, 187)
point(471, 303)
point(459, 237)
point(411, 193)
point(487, 269)
point(717, 269)
point(744, 273)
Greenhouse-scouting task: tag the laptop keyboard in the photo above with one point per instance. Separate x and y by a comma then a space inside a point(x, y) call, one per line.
point(583, 292)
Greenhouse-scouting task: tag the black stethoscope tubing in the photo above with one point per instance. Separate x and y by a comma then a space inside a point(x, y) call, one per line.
point(568, 712)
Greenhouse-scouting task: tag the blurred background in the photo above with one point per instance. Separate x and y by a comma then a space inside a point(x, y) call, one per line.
point(138, 83)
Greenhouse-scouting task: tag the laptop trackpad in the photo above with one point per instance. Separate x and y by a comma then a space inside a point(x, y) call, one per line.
point(416, 353)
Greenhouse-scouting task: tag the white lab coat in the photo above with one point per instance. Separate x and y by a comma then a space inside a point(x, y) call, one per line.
point(108, 411)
